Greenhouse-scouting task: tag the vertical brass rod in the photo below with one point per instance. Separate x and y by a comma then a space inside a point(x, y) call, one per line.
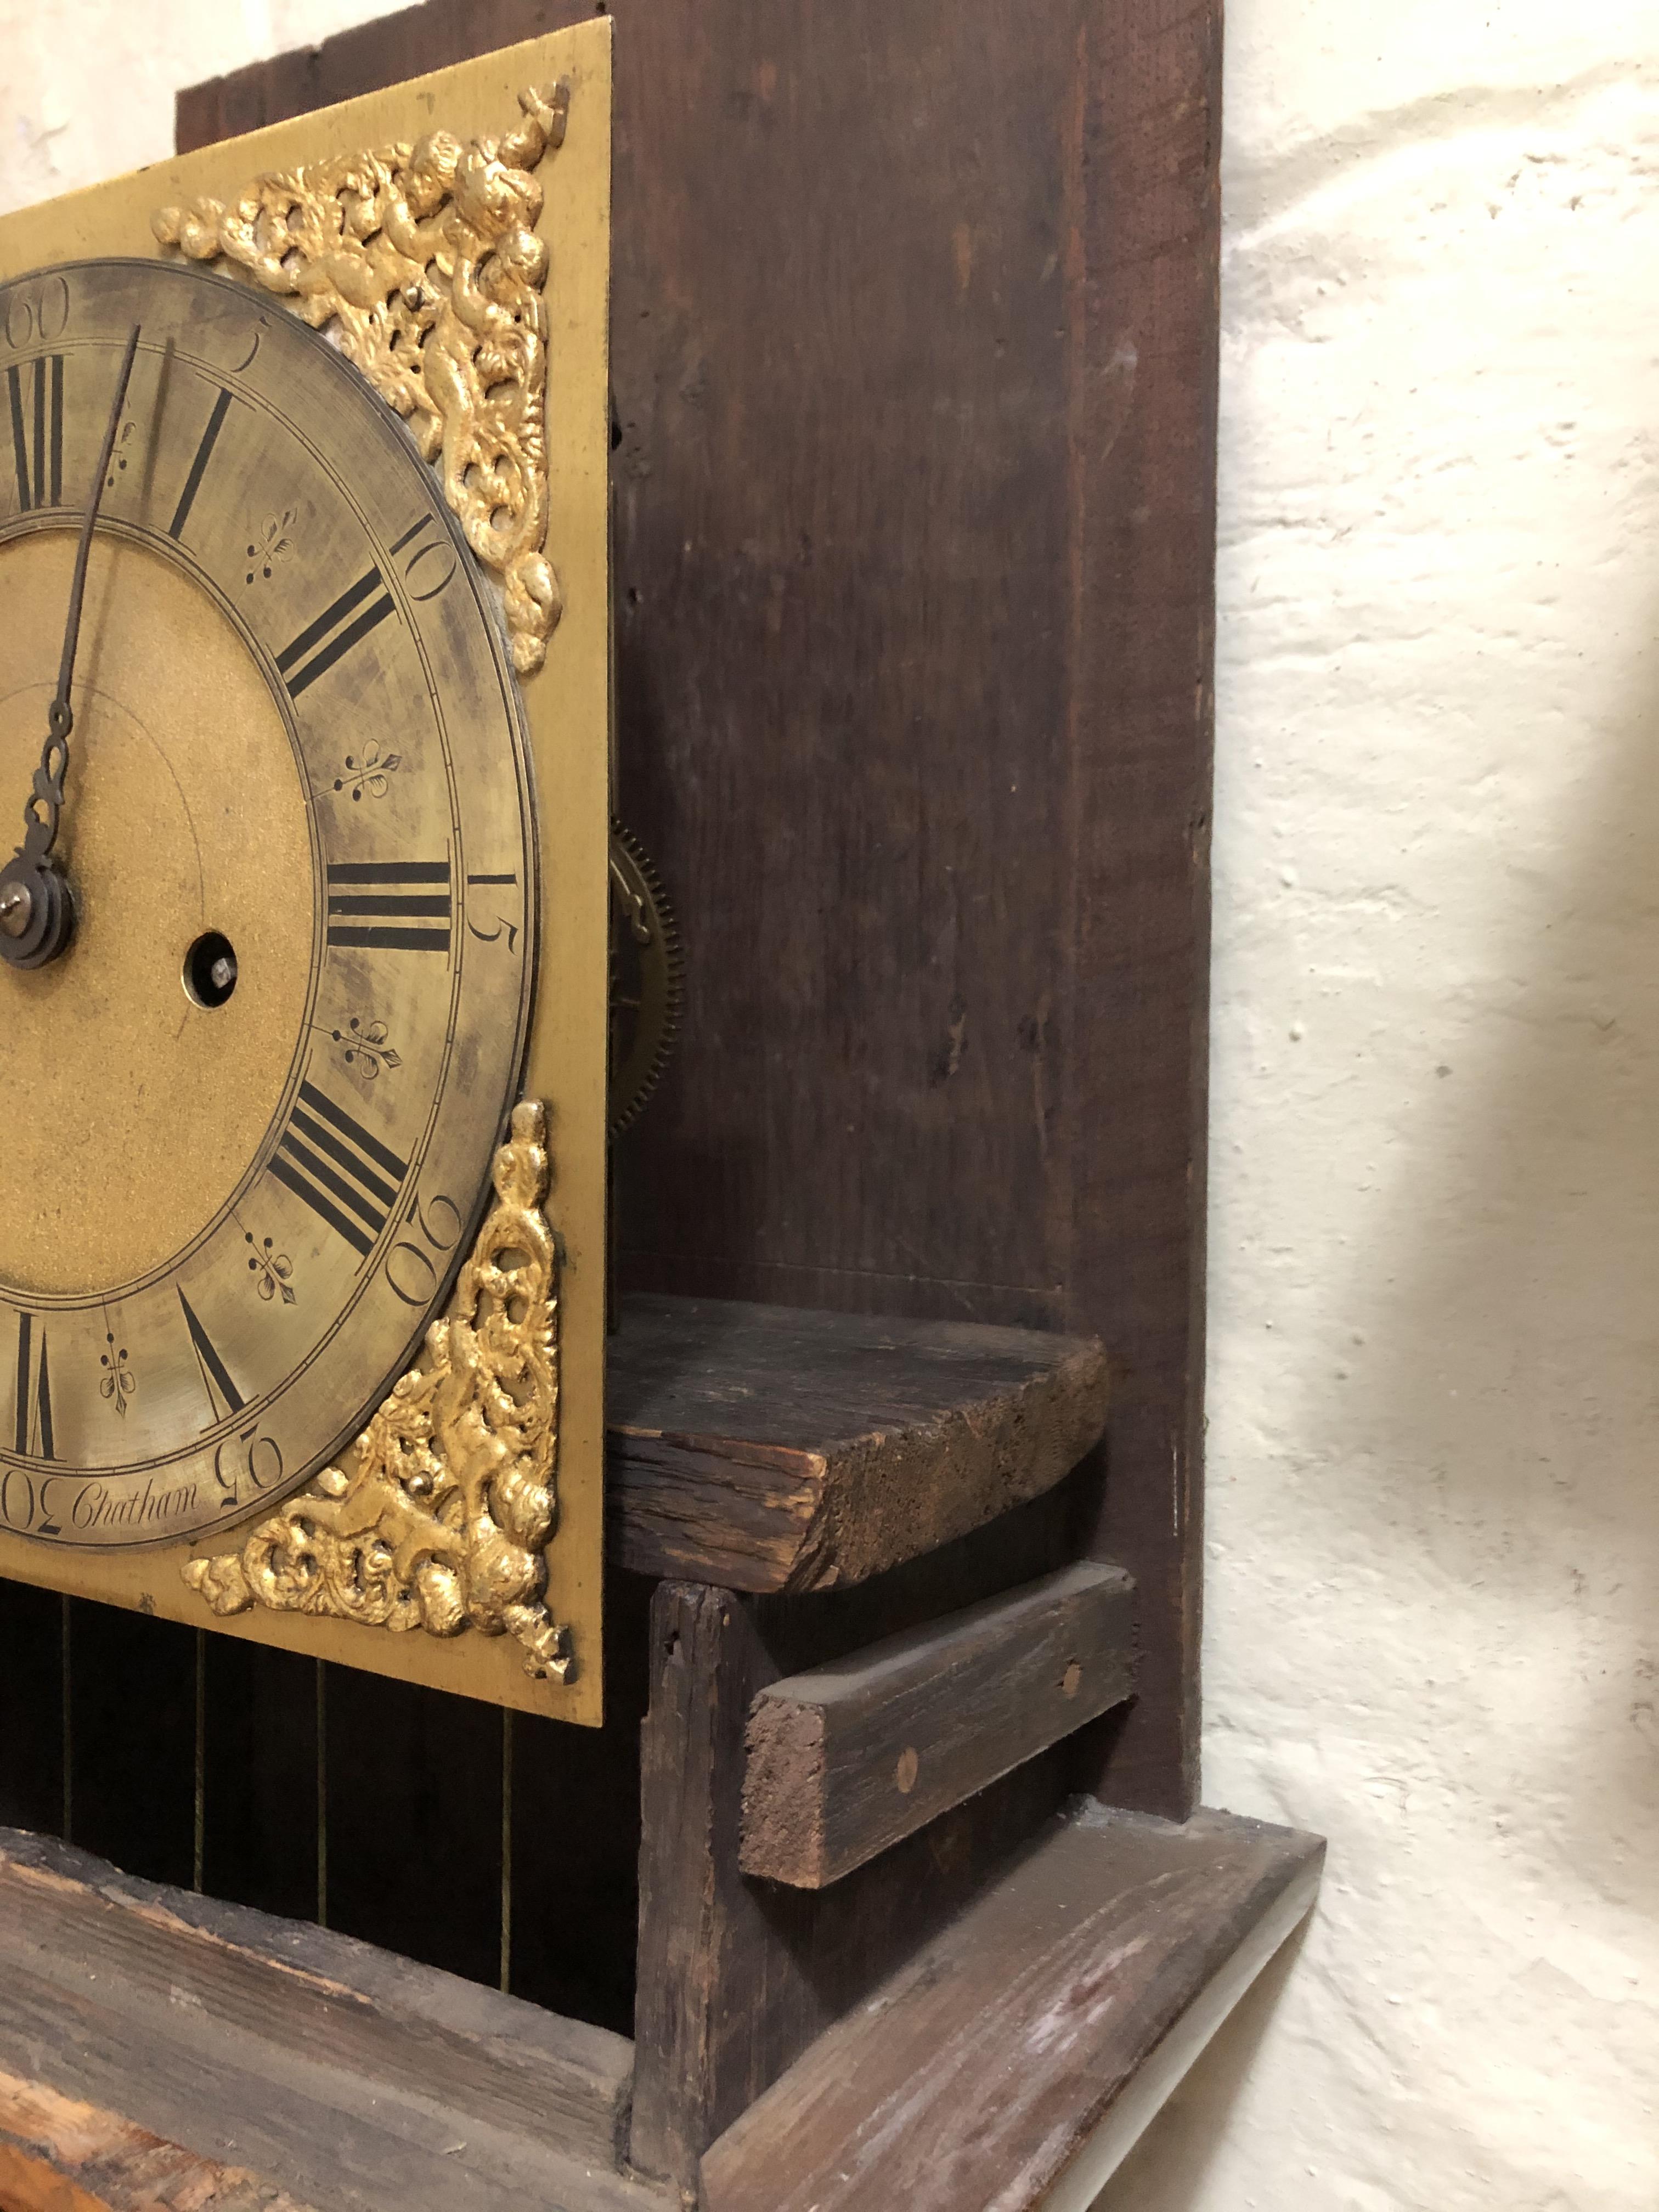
point(200, 1841)
point(322, 1795)
point(507, 1849)
point(69, 1732)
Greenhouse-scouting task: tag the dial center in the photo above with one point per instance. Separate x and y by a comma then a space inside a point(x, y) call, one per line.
point(135, 1107)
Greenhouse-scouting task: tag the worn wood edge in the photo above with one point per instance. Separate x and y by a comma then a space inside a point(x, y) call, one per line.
point(61, 2154)
point(1154, 2081)
point(404, 2024)
point(826, 1514)
point(711, 1508)
point(1036, 1436)
point(789, 1767)
point(332, 1969)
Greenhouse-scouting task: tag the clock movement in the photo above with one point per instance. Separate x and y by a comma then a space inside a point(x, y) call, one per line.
point(304, 739)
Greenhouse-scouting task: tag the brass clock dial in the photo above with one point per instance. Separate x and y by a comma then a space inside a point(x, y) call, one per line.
point(249, 1113)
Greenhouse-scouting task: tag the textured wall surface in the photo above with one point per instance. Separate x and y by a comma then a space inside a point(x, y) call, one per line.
point(1433, 1600)
point(87, 85)
point(1433, 1579)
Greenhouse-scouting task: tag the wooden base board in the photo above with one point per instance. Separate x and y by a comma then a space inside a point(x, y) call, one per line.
point(354, 2080)
point(1014, 2061)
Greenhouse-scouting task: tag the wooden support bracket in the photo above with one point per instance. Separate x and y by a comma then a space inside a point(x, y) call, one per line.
point(847, 1761)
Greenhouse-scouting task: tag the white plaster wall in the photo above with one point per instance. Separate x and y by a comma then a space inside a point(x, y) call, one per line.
point(1432, 1610)
point(1433, 1603)
point(87, 85)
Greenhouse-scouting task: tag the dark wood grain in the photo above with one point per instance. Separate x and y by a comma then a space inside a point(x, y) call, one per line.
point(915, 362)
point(767, 1448)
point(705, 1657)
point(737, 1977)
point(976, 2074)
point(846, 1761)
point(416, 1775)
point(31, 1707)
point(348, 2076)
point(260, 1778)
point(132, 1740)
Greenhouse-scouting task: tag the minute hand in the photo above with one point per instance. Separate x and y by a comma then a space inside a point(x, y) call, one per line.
point(37, 916)
point(60, 715)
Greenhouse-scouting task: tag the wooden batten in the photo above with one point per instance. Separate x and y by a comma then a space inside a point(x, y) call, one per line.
point(847, 1761)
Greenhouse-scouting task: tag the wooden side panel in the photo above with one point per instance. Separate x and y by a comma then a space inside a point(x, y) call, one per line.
point(914, 362)
point(845, 1761)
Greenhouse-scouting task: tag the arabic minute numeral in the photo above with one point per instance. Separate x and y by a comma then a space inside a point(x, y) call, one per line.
point(437, 1223)
point(503, 926)
point(249, 1459)
point(430, 561)
point(22, 1499)
point(36, 311)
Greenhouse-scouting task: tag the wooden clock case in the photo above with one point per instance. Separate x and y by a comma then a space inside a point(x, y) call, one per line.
point(914, 339)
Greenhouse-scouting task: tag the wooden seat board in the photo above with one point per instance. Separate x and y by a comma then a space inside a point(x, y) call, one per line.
point(774, 1448)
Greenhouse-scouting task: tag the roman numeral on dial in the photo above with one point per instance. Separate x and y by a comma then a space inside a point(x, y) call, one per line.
point(345, 1175)
point(334, 633)
point(216, 422)
point(216, 1376)
point(34, 1437)
point(36, 392)
point(390, 906)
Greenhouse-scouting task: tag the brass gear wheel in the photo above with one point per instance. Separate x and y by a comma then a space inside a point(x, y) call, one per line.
point(647, 971)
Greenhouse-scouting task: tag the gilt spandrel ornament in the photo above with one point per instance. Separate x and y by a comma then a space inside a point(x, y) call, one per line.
point(443, 1522)
point(422, 259)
